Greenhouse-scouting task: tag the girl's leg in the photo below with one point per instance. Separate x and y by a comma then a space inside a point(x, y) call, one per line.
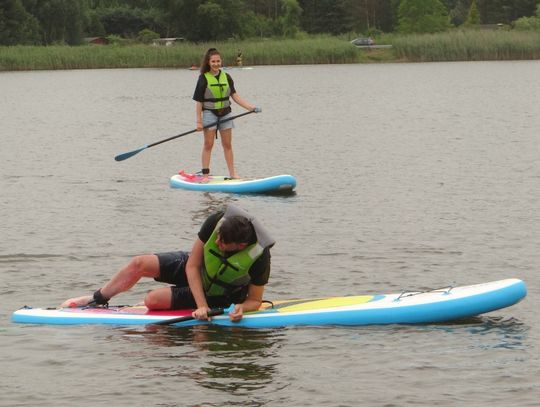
point(226, 142)
point(209, 136)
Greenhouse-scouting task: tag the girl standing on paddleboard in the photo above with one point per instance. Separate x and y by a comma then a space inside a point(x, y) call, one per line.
point(212, 94)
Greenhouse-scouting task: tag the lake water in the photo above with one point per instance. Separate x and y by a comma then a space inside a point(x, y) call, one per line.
point(410, 176)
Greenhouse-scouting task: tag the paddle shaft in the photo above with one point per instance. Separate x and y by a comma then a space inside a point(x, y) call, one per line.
point(124, 156)
point(211, 313)
point(194, 130)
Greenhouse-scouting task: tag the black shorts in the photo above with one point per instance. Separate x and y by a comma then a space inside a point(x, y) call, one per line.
point(172, 270)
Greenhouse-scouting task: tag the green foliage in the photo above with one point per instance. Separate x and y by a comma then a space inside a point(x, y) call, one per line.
point(422, 16)
point(61, 21)
point(458, 12)
point(474, 16)
point(68, 21)
point(125, 21)
point(290, 21)
point(146, 36)
point(116, 40)
point(342, 16)
point(212, 21)
point(505, 11)
point(256, 25)
point(17, 26)
point(529, 23)
point(325, 16)
point(94, 27)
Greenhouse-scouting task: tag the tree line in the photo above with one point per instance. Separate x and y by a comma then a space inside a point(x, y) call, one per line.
point(45, 22)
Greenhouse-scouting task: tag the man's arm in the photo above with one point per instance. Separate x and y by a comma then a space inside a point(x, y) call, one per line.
point(252, 303)
point(193, 274)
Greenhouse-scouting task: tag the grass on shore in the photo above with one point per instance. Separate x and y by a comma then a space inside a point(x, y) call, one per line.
point(468, 45)
point(454, 45)
point(327, 50)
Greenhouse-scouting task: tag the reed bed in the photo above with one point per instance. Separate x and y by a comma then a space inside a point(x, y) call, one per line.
point(319, 50)
point(327, 50)
point(95, 57)
point(469, 45)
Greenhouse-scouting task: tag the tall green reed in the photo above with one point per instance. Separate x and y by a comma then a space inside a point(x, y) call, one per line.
point(468, 45)
point(457, 45)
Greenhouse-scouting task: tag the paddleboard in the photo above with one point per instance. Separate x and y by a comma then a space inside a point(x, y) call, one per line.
point(220, 183)
point(244, 68)
point(408, 307)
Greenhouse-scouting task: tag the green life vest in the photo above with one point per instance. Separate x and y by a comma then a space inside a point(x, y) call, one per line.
point(216, 95)
point(222, 275)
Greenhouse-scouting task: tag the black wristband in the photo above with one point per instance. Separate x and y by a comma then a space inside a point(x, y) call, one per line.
point(205, 171)
point(99, 298)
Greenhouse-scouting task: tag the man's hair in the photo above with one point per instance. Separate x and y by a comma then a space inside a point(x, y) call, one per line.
point(237, 229)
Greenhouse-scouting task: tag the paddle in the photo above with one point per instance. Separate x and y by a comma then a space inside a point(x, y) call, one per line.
point(125, 156)
point(211, 313)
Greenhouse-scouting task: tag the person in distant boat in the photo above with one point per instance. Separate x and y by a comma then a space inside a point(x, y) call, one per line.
point(212, 95)
point(239, 58)
point(228, 264)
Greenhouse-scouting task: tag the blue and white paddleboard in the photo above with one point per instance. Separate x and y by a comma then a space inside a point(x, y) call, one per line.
point(215, 183)
point(408, 307)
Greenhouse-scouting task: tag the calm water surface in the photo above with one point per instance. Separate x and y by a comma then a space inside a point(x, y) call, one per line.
point(409, 176)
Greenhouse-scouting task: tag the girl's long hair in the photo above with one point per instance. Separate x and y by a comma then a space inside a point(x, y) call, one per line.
point(205, 63)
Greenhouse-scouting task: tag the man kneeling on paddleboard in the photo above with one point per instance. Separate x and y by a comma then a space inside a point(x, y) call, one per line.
point(228, 264)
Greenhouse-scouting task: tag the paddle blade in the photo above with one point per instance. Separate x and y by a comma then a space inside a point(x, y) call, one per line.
point(125, 156)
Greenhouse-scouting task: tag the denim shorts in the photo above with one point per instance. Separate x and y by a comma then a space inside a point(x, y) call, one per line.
point(209, 118)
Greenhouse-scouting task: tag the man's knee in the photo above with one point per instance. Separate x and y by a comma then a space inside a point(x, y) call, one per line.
point(157, 299)
point(150, 301)
point(145, 265)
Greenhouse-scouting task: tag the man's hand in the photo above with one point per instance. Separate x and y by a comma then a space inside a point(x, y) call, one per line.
point(237, 313)
point(201, 313)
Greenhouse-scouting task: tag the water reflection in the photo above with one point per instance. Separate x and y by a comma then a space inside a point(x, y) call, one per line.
point(212, 202)
point(233, 360)
point(285, 193)
point(509, 333)
point(495, 332)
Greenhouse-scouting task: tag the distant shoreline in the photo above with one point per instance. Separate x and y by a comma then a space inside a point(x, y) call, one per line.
point(472, 45)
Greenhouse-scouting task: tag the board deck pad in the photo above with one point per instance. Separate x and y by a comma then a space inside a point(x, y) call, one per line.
point(408, 307)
